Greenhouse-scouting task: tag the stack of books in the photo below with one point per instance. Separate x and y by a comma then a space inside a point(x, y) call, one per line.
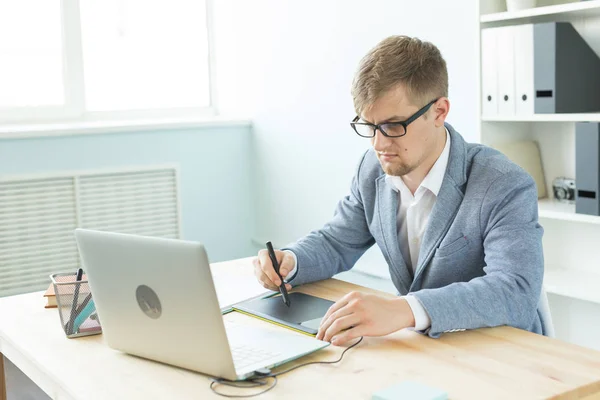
point(50, 297)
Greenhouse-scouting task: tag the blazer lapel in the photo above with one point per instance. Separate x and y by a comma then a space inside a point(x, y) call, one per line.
point(387, 209)
point(446, 206)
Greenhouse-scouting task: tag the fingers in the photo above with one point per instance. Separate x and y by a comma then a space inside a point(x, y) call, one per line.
point(287, 263)
point(340, 325)
point(347, 335)
point(264, 279)
point(267, 267)
point(327, 322)
point(338, 305)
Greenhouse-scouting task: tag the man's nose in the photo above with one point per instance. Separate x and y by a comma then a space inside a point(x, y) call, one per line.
point(379, 141)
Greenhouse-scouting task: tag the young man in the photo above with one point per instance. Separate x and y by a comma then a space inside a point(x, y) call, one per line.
point(457, 222)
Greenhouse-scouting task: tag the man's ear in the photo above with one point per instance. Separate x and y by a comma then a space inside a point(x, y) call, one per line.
point(440, 110)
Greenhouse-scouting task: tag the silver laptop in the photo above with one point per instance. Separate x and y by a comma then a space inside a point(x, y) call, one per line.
point(155, 299)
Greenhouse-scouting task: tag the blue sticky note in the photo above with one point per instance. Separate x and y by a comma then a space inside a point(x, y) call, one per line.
point(410, 390)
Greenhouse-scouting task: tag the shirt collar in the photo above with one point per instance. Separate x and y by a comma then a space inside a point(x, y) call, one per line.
point(434, 178)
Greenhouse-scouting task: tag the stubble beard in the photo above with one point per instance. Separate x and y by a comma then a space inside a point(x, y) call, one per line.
point(397, 169)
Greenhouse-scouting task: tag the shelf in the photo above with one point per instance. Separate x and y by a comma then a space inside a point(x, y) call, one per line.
point(541, 14)
point(566, 212)
point(577, 284)
point(592, 117)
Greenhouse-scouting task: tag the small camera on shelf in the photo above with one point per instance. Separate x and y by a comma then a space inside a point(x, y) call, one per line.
point(564, 189)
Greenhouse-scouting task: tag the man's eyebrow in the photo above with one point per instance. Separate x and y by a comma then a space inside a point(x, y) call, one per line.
point(395, 118)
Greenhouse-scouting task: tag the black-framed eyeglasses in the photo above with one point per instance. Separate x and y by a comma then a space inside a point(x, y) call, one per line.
point(389, 129)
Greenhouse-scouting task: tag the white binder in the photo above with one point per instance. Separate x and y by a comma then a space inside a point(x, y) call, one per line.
point(506, 71)
point(489, 72)
point(523, 60)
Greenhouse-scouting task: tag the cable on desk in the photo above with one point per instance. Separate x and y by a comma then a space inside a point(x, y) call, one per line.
point(263, 380)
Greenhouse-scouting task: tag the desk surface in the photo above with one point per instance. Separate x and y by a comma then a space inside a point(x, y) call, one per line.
point(502, 363)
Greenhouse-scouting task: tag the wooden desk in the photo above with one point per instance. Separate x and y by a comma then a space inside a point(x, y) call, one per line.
point(498, 363)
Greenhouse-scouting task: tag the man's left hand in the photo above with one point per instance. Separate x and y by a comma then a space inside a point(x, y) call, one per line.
point(358, 314)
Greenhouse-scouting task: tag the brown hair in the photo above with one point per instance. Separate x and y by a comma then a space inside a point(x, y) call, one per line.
point(418, 65)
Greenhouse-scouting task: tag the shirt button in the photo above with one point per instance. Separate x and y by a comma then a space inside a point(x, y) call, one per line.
point(415, 240)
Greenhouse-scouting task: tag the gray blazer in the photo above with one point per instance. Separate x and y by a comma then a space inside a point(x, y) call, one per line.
point(481, 262)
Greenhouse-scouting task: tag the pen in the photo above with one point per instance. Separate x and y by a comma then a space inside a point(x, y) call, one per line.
point(83, 304)
point(282, 290)
point(75, 299)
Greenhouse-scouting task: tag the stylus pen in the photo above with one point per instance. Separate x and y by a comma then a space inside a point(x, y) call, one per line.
point(75, 300)
point(282, 290)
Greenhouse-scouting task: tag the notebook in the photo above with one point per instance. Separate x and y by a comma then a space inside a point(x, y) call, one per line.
point(303, 315)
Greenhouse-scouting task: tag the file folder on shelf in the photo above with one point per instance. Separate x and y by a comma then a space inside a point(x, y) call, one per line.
point(489, 72)
point(587, 168)
point(506, 70)
point(523, 56)
point(566, 70)
point(541, 68)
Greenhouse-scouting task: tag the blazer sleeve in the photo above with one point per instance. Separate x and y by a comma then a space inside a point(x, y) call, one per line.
point(509, 291)
point(339, 244)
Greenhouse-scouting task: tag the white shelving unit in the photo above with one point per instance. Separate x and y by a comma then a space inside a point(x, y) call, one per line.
point(556, 12)
point(577, 284)
point(552, 209)
point(591, 117)
point(571, 241)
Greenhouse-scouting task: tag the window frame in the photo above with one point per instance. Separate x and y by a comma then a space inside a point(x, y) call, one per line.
point(74, 108)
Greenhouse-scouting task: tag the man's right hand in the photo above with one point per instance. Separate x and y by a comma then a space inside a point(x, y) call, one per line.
point(265, 273)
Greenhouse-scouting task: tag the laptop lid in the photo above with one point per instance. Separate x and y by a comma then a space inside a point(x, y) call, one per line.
point(156, 299)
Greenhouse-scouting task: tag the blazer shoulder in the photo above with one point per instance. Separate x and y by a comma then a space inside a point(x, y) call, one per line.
point(490, 164)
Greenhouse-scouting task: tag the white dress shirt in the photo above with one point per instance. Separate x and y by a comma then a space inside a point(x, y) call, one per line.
point(411, 219)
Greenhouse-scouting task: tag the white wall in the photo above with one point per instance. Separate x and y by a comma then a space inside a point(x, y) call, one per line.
point(289, 65)
point(213, 162)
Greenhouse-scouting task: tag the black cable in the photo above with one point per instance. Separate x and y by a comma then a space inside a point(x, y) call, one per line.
point(241, 386)
point(256, 382)
point(318, 362)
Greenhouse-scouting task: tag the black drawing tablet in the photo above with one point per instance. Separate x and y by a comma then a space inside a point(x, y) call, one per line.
point(303, 314)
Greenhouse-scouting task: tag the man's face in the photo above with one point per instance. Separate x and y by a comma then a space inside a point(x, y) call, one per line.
point(402, 155)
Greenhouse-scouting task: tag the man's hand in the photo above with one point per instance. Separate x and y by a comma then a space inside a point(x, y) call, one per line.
point(358, 314)
point(265, 273)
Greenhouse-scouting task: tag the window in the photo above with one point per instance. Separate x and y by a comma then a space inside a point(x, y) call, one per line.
point(31, 54)
point(88, 59)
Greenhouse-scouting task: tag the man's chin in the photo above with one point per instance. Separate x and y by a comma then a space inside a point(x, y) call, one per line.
point(395, 169)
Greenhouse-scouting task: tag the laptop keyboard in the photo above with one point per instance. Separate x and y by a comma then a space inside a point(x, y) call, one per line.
point(245, 355)
point(242, 350)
